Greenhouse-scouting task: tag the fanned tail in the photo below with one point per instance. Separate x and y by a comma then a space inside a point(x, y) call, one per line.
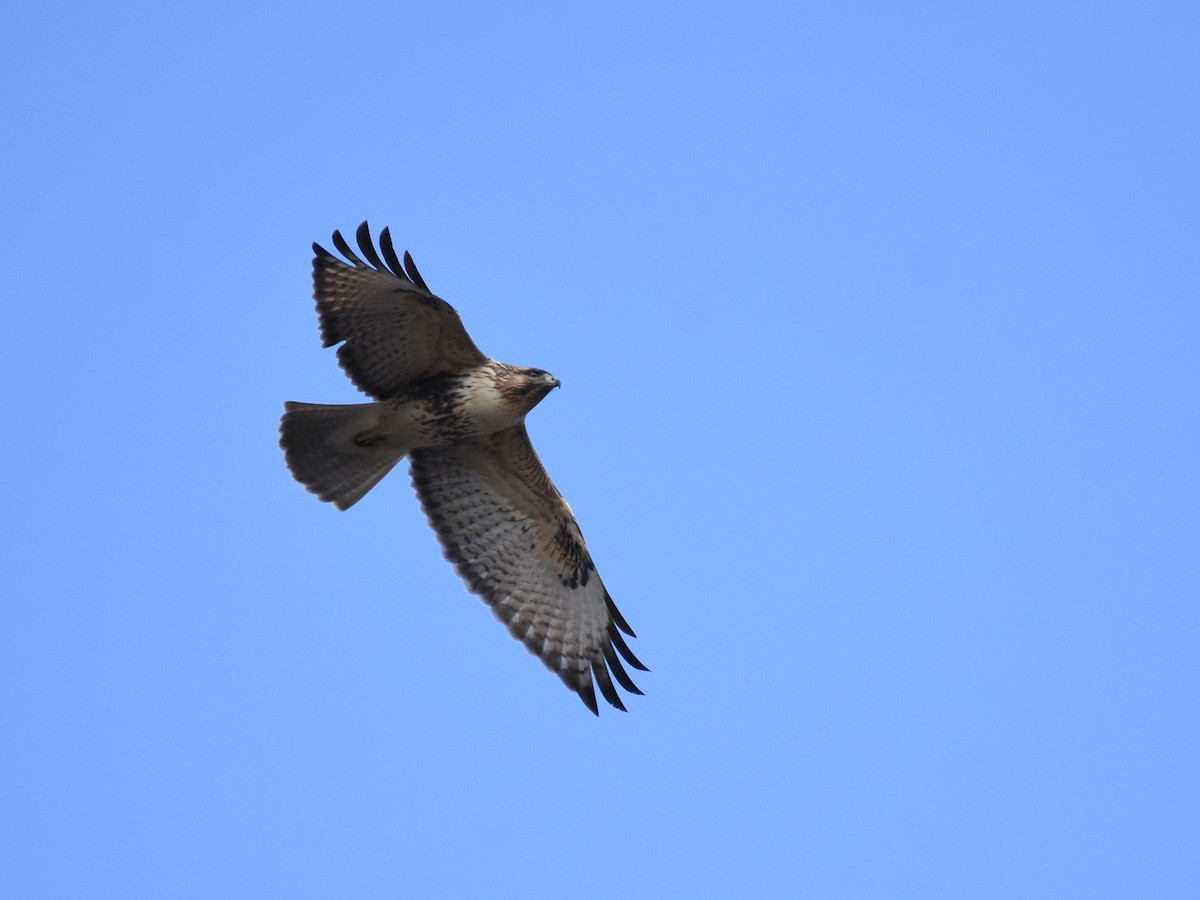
point(326, 453)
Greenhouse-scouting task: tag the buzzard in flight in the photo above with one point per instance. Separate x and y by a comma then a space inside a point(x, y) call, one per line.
point(459, 417)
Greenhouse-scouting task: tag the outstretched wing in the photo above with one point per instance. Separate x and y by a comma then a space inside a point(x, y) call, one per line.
point(513, 539)
point(392, 329)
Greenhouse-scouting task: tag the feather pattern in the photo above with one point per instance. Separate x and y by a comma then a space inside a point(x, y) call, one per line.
point(514, 541)
point(393, 331)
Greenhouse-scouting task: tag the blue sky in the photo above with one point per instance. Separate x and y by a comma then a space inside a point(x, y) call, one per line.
point(877, 326)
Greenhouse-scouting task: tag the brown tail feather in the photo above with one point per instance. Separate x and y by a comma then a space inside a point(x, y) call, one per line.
point(319, 443)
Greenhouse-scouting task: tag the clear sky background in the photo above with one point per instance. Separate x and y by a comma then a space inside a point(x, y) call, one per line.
point(878, 329)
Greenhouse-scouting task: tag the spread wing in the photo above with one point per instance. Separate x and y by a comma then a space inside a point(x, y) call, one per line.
point(392, 329)
point(513, 539)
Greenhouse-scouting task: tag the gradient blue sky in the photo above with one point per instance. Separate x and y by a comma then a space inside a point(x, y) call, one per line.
point(878, 329)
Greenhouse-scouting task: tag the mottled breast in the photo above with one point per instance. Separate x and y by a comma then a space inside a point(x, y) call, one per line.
point(448, 409)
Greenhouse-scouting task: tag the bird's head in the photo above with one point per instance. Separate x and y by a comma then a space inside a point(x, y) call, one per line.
point(532, 385)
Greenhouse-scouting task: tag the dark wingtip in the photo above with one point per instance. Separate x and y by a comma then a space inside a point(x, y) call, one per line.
point(606, 686)
point(414, 276)
point(367, 246)
point(618, 671)
point(616, 616)
point(389, 254)
point(390, 261)
point(588, 695)
point(344, 248)
point(619, 643)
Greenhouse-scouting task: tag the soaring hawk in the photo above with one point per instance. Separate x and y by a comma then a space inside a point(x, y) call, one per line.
point(459, 417)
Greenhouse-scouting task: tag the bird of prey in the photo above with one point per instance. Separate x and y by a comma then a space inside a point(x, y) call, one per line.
point(459, 416)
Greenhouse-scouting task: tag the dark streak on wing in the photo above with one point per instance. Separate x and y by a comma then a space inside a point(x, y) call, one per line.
point(577, 564)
